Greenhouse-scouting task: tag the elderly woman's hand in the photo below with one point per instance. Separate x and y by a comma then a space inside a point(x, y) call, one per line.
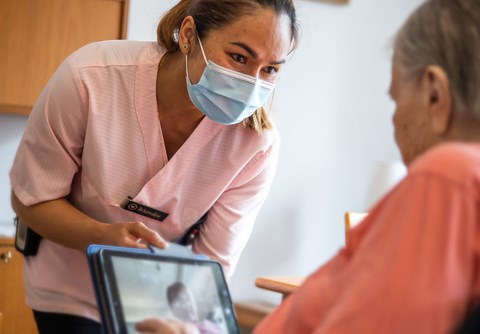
point(165, 326)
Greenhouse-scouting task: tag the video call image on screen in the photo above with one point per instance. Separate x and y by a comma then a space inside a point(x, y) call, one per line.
point(185, 292)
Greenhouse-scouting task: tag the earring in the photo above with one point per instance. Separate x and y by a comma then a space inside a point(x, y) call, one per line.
point(185, 46)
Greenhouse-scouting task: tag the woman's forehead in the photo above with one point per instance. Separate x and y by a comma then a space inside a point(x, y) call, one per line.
point(263, 30)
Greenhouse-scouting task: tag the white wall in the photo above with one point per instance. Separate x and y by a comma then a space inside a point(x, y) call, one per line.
point(334, 116)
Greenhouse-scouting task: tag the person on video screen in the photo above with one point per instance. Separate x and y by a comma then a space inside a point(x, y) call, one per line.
point(183, 306)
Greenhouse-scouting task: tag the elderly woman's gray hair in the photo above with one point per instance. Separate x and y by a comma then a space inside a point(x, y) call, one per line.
point(451, 42)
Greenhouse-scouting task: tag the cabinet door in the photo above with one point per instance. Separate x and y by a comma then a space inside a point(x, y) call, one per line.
point(17, 316)
point(36, 35)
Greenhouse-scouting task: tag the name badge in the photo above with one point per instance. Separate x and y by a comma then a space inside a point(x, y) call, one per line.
point(143, 210)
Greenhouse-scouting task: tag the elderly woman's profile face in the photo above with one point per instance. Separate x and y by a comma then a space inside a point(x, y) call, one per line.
point(256, 44)
point(411, 121)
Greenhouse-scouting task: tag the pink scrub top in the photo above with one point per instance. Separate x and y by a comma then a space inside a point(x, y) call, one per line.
point(413, 265)
point(94, 137)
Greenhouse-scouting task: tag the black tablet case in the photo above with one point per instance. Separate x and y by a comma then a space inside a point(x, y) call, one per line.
point(93, 251)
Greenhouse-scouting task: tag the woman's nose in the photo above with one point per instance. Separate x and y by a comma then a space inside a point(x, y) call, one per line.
point(254, 72)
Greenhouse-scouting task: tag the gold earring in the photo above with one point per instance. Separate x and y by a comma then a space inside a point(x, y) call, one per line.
point(185, 46)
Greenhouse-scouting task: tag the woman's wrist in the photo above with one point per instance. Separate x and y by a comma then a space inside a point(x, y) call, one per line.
point(95, 233)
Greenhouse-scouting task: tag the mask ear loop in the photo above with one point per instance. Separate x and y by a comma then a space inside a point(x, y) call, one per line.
point(201, 48)
point(270, 108)
point(186, 56)
point(186, 67)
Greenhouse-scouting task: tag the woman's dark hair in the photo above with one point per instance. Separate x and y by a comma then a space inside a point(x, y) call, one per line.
point(174, 290)
point(215, 14)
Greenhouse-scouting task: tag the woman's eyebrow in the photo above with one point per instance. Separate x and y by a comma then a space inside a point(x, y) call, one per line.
point(253, 53)
point(246, 48)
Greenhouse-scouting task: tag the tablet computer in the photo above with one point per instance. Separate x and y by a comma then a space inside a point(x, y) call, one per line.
point(134, 284)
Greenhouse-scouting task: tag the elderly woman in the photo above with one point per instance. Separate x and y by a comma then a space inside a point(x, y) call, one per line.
point(413, 266)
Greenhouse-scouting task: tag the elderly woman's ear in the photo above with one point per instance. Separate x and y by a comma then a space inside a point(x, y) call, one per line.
point(438, 99)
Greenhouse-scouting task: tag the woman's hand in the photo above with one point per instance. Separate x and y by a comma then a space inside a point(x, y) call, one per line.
point(165, 326)
point(130, 234)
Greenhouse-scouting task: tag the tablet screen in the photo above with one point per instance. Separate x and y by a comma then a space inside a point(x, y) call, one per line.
point(143, 286)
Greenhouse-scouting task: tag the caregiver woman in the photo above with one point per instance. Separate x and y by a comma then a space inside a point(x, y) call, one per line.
point(134, 142)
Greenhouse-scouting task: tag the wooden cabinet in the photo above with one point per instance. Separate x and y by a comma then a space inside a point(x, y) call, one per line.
point(17, 316)
point(36, 35)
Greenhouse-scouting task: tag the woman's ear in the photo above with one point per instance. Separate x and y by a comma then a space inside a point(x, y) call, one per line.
point(186, 35)
point(439, 99)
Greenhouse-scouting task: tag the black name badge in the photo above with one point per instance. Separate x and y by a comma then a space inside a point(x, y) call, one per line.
point(143, 210)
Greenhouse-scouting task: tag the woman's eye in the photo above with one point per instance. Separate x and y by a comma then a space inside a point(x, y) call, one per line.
point(270, 70)
point(238, 58)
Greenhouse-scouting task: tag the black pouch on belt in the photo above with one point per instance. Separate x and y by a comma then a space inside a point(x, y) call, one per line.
point(26, 240)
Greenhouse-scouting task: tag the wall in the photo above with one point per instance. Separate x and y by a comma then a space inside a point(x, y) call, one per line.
point(334, 115)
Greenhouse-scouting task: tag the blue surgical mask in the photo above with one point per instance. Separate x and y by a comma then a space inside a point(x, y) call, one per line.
point(226, 96)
